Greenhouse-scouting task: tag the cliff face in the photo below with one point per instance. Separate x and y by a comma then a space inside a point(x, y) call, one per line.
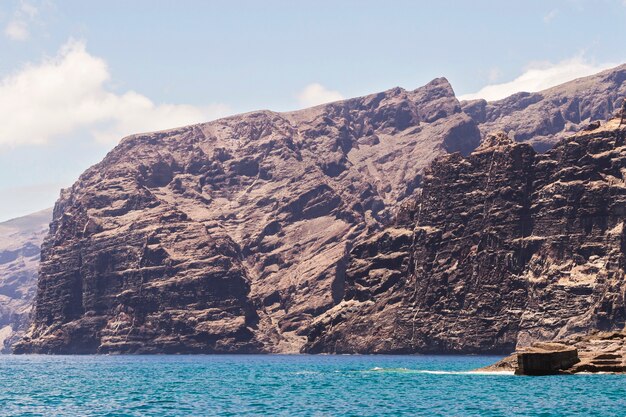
point(20, 241)
point(503, 248)
point(545, 117)
point(320, 230)
point(232, 236)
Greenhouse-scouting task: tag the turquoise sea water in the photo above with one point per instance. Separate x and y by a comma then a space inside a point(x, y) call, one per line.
point(293, 386)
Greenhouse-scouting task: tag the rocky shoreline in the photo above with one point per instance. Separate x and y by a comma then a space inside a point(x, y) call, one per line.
point(601, 352)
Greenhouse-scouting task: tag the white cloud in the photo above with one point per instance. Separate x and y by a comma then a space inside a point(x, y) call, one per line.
point(549, 17)
point(69, 92)
point(17, 28)
point(540, 76)
point(28, 9)
point(314, 94)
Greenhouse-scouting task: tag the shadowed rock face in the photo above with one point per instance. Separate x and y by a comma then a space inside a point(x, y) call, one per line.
point(544, 118)
point(546, 359)
point(20, 241)
point(232, 236)
point(503, 248)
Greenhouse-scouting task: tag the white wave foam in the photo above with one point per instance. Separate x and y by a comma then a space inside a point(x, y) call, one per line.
point(469, 372)
point(437, 372)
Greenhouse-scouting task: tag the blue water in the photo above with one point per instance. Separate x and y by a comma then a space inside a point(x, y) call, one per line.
point(293, 386)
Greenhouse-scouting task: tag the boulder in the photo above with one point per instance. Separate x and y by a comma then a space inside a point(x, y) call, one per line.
point(546, 359)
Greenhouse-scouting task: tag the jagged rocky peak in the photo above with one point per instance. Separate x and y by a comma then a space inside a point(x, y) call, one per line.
point(233, 235)
point(507, 247)
point(545, 117)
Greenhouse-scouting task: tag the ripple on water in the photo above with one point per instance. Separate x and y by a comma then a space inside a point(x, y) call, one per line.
point(294, 386)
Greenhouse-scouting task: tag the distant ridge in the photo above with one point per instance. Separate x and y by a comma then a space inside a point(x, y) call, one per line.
point(20, 241)
point(545, 117)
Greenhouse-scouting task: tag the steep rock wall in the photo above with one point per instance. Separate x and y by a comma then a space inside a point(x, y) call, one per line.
point(507, 247)
point(232, 236)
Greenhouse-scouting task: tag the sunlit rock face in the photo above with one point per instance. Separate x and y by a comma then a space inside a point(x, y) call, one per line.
point(20, 241)
point(232, 236)
point(375, 224)
point(545, 117)
point(504, 247)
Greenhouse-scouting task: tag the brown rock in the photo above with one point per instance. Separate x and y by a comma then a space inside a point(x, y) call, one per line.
point(598, 352)
point(233, 236)
point(543, 118)
point(20, 241)
point(507, 248)
point(546, 359)
point(323, 230)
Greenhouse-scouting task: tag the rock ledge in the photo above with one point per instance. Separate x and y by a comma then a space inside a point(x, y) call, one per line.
point(602, 352)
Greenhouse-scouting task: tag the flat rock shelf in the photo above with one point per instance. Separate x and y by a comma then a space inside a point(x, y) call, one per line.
point(602, 352)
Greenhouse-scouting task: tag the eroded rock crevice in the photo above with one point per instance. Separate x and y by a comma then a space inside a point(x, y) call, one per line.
point(508, 247)
point(375, 224)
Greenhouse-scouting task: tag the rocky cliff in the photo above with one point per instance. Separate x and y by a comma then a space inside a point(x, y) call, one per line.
point(320, 230)
point(545, 117)
point(20, 242)
point(503, 248)
point(232, 236)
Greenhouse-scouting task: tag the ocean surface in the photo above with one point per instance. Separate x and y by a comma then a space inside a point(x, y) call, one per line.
point(251, 385)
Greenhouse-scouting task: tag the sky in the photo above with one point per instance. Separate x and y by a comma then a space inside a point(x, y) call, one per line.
point(76, 76)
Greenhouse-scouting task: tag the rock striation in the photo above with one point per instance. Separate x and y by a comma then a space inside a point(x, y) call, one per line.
point(20, 242)
point(598, 352)
point(375, 224)
point(232, 236)
point(504, 247)
point(545, 117)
